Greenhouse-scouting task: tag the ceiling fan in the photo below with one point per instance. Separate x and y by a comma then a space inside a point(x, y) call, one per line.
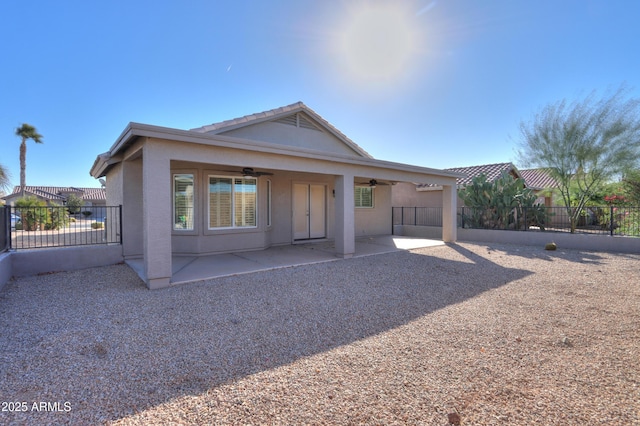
point(372, 183)
point(249, 172)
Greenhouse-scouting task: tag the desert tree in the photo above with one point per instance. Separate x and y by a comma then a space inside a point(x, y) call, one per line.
point(583, 144)
point(631, 185)
point(26, 132)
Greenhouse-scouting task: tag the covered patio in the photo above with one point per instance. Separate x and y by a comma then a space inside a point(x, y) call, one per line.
point(186, 269)
point(270, 179)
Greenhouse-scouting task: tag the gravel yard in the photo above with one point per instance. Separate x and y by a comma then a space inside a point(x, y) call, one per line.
point(497, 334)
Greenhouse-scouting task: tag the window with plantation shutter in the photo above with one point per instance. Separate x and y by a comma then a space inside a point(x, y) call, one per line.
point(363, 196)
point(232, 202)
point(183, 202)
point(245, 202)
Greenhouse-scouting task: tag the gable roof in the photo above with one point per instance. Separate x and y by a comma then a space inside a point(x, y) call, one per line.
point(60, 193)
point(491, 171)
point(538, 179)
point(385, 169)
point(297, 114)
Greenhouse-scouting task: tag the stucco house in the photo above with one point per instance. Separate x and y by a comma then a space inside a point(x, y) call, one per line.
point(273, 178)
point(542, 184)
point(430, 195)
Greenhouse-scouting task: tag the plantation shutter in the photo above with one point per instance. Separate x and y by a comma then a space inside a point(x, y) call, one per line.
point(183, 201)
point(245, 202)
point(220, 196)
point(363, 196)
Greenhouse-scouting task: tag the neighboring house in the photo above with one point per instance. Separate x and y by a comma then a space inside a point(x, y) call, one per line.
point(542, 184)
point(55, 195)
point(429, 195)
point(272, 178)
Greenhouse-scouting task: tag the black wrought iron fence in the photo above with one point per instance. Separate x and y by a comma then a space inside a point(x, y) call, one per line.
point(56, 226)
point(604, 220)
point(419, 216)
point(5, 230)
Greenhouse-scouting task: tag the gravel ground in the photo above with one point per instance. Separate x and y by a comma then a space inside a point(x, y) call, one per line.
point(496, 334)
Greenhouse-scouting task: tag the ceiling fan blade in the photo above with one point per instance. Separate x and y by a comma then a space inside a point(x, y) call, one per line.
point(372, 183)
point(248, 171)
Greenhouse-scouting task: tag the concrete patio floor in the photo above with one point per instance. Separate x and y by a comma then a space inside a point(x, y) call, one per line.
point(187, 269)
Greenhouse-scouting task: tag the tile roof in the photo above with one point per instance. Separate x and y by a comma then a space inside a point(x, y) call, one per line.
point(57, 193)
point(491, 171)
point(538, 179)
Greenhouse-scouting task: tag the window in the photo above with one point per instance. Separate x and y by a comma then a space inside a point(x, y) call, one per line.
point(232, 202)
point(183, 202)
point(364, 196)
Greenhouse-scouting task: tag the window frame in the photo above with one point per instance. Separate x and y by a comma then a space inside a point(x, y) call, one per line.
point(233, 225)
point(269, 203)
point(194, 197)
point(356, 198)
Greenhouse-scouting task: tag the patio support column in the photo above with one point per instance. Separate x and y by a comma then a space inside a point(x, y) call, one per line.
point(345, 237)
point(131, 176)
point(156, 216)
point(449, 207)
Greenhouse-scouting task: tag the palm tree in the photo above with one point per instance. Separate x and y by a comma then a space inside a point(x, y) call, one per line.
point(4, 178)
point(26, 131)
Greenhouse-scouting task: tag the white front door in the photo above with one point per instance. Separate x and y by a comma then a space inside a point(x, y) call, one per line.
point(309, 212)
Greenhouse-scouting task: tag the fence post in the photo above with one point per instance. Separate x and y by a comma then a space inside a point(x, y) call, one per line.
point(402, 216)
point(120, 221)
point(392, 222)
point(611, 219)
point(6, 227)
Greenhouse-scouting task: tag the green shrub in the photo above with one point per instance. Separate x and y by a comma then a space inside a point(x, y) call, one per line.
point(504, 203)
point(33, 212)
point(74, 203)
point(97, 225)
point(57, 219)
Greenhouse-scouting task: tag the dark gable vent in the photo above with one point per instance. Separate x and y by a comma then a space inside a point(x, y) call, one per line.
point(304, 122)
point(298, 120)
point(291, 120)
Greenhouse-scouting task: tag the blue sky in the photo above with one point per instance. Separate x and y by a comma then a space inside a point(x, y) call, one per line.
point(432, 83)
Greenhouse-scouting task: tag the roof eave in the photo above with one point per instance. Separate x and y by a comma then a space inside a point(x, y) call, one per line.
point(105, 161)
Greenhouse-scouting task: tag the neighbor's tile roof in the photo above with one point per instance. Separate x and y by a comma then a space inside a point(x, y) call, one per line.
point(491, 171)
point(57, 193)
point(538, 179)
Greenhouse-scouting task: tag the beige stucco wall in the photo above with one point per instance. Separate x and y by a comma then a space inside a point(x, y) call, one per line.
point(114, 198)
point(124, 187)
point(404, 194)
point(202, 240)
point(376, 220)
